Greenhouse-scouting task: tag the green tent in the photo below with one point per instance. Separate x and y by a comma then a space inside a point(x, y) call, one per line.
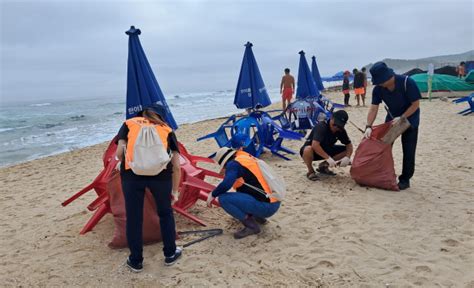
point(442, 82)
point(470, 77)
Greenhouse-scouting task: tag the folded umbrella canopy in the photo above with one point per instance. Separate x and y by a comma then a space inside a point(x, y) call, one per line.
point(316, 75)
point(306, 86)
point(142, 87)
point(251, 91)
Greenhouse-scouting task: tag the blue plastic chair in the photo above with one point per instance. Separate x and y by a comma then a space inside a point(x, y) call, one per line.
point(221, 136)
point(470, 100)
point(250, 126)
point(274, 136)
point(301, 115)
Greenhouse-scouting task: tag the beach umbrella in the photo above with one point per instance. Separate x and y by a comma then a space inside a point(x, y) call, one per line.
point(142, 87)
point(251, 91)
point(316, 75)
point(306, 87)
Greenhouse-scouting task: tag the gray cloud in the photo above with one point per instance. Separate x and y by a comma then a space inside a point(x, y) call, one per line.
point(72, 49)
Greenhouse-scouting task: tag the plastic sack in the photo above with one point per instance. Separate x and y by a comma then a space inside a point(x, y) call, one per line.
point(151, 221)
point(373, 161)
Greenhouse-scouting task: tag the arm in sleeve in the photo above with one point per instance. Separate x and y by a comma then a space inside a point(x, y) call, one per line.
point(412, 92)
point(232, 173)
point(344, 138)
point(123, 132)
point(173, 142)
point(376, 96)
point(319, 132)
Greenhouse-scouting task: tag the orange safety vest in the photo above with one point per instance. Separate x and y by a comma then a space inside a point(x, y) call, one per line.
point(134, 130)
point(249, 162)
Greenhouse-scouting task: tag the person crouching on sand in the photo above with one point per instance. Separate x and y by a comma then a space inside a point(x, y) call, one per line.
point(249, 204)
point(320, 145)
point(160, 185)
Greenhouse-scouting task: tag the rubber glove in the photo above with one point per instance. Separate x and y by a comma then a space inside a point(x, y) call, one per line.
point(331, 162)
point(117, 167)
point(174, 197)
point(368, 132)
point(345, 161)
point(209, 200)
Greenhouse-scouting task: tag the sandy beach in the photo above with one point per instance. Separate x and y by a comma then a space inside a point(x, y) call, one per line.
point(329, 233)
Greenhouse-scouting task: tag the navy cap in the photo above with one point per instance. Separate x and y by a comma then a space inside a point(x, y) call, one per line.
point(340, 118)
point(380, 73)
point(158, 109)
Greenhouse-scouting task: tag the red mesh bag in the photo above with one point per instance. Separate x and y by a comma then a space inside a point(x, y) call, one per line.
point(151, 221)
point(373, 161)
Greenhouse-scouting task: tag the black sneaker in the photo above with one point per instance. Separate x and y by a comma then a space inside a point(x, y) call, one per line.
point(171, 260)
point(402, 185)
point(137, 268)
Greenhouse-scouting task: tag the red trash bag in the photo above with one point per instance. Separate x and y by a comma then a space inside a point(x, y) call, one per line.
point(373, 161)
point(151, 221)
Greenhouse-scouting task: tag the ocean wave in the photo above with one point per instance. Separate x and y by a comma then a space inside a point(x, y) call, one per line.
point(6, 129)
point(49, 125)
point(40, 104)
point(77, 117)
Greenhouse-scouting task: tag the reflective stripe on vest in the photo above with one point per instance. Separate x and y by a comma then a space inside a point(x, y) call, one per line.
point(249, 162)
point(134, 130)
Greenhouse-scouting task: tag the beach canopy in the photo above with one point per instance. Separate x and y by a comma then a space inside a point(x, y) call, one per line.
point(142, 87)
point(306, 87)
point(250, 91)
point(316, 75)
point(441, 82)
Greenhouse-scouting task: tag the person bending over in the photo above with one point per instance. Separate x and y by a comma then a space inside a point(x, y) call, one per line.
point(252, 202)
point(321, 145)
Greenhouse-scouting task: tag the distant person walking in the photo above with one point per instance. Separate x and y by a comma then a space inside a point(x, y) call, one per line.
point(402, 97)
point(346, 88)
point(287, 88)
point(358, 86)
point(461, 69)
point(161, 185)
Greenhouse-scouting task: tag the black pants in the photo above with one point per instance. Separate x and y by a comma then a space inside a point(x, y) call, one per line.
point(346, 98)
point(409, 140)
point(331, 151)
point(134, 193)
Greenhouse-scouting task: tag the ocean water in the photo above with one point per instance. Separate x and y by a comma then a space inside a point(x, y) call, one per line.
point(33, 130)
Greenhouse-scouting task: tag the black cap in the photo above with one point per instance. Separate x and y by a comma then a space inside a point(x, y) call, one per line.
point(340, 118)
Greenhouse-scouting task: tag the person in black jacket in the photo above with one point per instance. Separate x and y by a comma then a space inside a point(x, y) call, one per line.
point(359, 86)
point(345, 88)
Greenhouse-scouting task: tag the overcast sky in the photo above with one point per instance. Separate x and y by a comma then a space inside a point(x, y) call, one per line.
point(73, 49)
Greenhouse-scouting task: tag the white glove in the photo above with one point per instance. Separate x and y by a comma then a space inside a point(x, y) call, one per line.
point(331, 162)
point(209, 200)
point(345, 161)
point(174, 196)
point(117, 167)
point(368, 132)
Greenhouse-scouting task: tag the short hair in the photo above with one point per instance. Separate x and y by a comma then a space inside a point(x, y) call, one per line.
point(354, 70)
point(462, 63)
point(363, 69)
point(287, 70)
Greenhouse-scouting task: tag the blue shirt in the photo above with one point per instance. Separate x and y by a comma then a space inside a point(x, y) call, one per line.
point(399, 99)
point(233, 171)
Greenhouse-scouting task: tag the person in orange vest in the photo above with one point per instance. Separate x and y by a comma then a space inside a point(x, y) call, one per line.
point(252, 202)
point(161, 186)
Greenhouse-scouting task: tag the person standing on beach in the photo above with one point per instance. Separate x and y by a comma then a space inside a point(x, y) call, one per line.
point(364, 72)
point(402, 96)
point(461, 69)
point(346, 88)
point(287, 88)
point(321, 145)
point(160, 185)
point(358, 86)
point(252, 202)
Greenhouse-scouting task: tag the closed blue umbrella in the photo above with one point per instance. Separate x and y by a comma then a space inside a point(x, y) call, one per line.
point(316, 75)
point(251, 91)
point(306, 87)
point(142, 87)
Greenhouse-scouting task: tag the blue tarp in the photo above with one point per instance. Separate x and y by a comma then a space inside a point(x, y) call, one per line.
point(339, 76)
point(142, 87)
point(250, 91)
point(316, 75)
point(306, 87)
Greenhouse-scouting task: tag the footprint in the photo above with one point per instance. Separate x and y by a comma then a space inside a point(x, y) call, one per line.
point(451, 242)
point(422, 268)
point(327, 264)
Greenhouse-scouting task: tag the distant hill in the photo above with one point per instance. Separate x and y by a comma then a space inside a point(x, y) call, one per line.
point(402, 66)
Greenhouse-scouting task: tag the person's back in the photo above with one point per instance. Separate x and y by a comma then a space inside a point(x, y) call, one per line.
point(288, 81)
point(287, 88)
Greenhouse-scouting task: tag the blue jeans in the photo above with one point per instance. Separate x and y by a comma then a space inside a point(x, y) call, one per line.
point(134, 193)
point(239, 205)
